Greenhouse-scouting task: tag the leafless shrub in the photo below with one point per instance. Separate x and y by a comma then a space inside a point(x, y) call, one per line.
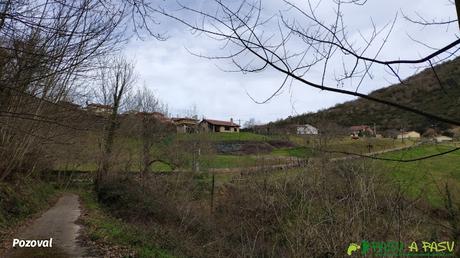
point(318, 212)
point(48, 51)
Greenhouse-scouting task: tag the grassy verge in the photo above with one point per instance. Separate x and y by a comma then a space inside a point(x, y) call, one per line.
point(101, 227)
point(23, 198)
point(20, 201)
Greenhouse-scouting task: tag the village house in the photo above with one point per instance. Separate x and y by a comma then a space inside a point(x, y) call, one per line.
point(68, 104)
point(307, 129)
point(409, 135)
point(185, 124)
point(361, 130)
point(210, 125)
point(443, 138)
point(98, 108)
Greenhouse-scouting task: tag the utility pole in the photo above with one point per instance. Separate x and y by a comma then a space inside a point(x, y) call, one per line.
point(402, 134)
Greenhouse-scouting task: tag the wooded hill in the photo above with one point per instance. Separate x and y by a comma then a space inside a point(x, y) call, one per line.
point(422, 91)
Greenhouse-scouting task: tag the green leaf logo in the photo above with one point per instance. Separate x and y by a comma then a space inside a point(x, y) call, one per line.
point(352, 247)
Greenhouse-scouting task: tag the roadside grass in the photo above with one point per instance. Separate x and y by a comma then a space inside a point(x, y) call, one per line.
point(426, 177)
point(18, 201)
point(21, 200)
point(100, 226)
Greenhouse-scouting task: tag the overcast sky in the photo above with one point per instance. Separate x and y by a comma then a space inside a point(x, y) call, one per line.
point(182, 80)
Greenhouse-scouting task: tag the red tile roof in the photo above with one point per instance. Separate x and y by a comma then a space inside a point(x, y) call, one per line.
point(185, 121)
point(223, 123)
point(184, 118)
point(360, 128)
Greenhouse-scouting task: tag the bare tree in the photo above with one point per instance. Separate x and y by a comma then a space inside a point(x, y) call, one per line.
point(116, 80)
point(190, 112)
point(153, 125)
point(47, 51)
point(302, 42)
point(250, 123)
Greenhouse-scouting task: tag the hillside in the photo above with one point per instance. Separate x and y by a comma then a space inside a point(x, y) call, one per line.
point(421, 91)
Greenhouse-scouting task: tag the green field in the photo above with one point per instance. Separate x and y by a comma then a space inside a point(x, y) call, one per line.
point(160, 167)
point(84, 156)
point(298, 152)
point(426, 177)
point(241, 136)
point(242, 161)
point(364, 145)
point(232, 161)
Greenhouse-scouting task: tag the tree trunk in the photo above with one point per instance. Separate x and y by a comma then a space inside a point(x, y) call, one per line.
point(145, 146)
point(457, 5)
point(108, 146)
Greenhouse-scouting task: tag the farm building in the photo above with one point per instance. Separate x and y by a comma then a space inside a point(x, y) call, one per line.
point(155, 115)
point(210, 125)
point(98, 108)
point(409, 135)
point(307, 129)
point(361, 130)
point(185, 124)
point(443, 138)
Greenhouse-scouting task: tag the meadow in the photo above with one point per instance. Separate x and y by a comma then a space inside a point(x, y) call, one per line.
point(427, 177)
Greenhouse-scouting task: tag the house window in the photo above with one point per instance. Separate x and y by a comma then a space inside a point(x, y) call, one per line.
point(227, 128)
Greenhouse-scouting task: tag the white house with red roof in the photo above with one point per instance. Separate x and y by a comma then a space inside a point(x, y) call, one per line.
point(211, 125)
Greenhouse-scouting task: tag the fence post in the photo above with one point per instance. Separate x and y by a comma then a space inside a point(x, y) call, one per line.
point(212, 192)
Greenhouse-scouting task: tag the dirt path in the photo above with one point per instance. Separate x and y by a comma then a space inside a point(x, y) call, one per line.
point(57, 223)
point(348, 157)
